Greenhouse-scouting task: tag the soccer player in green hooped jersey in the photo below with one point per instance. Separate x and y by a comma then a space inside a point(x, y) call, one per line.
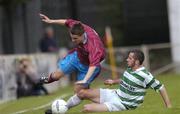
point(132, 88)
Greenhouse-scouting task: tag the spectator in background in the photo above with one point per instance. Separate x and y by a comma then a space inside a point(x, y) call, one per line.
point(48, 43)
point(28, 80)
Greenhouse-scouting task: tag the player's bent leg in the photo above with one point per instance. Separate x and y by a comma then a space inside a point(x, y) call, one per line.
point(94, 107)
point(91, 94)
point(75, 100)
point(79, 87)
point(68, 64)
point(58, 74)
point(54, 76)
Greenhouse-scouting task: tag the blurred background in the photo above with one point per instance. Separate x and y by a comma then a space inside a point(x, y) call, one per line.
point(132, 22)
point(150, 25)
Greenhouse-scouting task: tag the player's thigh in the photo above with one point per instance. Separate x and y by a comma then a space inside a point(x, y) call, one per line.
point(94, 107)
point(91, 94)
point(111, 100)
point(67, 64)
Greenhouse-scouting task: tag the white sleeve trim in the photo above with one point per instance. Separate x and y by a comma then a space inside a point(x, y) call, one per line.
point(160, 88)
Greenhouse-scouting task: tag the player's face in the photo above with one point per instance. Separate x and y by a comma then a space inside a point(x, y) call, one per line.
point(130, 60)
point(76, 39)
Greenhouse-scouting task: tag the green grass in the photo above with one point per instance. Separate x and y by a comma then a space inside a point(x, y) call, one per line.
point(153, 103)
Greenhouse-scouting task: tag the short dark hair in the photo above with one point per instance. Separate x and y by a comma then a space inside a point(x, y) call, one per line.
point(138, 55)
point(77, 29)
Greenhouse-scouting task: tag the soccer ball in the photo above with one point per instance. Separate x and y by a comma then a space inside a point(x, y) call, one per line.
point(59, 106)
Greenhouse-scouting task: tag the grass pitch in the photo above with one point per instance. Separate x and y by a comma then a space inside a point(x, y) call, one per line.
point(153, 103)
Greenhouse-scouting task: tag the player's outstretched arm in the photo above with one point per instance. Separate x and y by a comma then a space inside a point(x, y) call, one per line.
point(88, 75)
point(165, 97)
point(46, 19)
point(112, 82)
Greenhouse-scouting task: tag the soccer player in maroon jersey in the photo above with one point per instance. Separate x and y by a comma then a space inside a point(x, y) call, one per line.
point(84, 59)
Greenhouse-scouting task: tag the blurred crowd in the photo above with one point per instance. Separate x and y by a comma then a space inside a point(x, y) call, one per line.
point(27, 75)
point(28, 80)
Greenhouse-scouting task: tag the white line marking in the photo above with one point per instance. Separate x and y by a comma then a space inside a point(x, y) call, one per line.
point(39, 107)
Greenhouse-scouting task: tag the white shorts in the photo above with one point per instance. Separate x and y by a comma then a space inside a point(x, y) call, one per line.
point(111, 100)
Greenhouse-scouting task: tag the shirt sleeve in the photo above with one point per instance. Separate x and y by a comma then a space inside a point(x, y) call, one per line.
point(70, 22)
point(153, 83)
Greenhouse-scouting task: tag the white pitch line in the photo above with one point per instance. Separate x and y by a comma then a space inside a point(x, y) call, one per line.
point(39, 107)
point(43, 106)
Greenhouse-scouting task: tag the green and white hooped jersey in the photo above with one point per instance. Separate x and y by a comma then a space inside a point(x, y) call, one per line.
point(133, 86)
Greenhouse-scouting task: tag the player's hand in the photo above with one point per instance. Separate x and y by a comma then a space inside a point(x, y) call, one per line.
point(109, 82)
point(45, 18)
point(81, 82)
point(43, 79)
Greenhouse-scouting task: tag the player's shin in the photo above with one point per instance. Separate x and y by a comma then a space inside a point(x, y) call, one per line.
point(49, 79)
point(73, 101)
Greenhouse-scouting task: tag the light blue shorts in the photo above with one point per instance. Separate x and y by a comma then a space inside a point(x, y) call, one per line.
point(71, 63)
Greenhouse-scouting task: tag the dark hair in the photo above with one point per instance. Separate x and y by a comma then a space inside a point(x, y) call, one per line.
point(138, 55)
point(77, 29)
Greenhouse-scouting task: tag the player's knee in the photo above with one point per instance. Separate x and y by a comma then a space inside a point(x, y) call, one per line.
point(82, 94)
point(77, 90)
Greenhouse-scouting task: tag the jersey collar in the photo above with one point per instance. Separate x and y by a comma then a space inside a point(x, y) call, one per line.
point(139, 69)
point(85, 38)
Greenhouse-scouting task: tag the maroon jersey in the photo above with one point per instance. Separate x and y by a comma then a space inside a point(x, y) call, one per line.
point(92, 51)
